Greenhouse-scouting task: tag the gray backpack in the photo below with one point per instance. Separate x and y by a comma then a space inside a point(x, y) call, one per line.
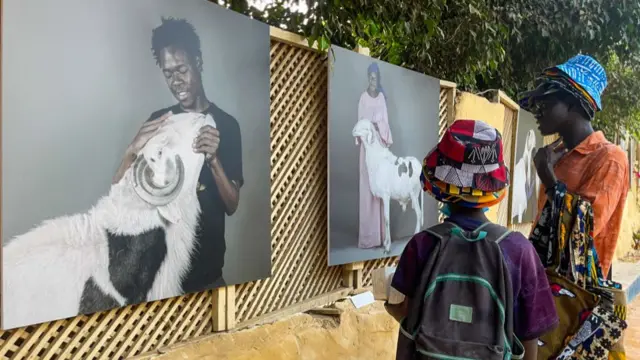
point(463, 308)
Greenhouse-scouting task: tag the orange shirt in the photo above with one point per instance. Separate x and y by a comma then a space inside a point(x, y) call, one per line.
point(598, 171)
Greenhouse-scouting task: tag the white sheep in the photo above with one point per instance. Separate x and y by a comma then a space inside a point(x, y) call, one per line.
point(61, 267)
point(390, 177)
point(525, 179)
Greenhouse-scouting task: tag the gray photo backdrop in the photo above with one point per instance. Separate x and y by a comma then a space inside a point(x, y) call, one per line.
point(526, 183)
point(412, 101)
point(79, 80)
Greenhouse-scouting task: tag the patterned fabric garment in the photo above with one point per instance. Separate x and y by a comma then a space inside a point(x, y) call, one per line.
point(469, 155)
point(567, 80)
point(564, 84)
point(573, 305)
point(570, 256)
point(466, 197)
point(598, 171)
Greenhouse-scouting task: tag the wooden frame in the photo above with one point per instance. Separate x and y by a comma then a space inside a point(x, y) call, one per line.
point(511, 114)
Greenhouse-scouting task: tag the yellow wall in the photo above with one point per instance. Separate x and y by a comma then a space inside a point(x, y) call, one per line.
point(630, 224)
point(473, 107)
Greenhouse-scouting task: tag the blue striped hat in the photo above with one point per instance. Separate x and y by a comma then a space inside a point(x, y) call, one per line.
point(588, 73)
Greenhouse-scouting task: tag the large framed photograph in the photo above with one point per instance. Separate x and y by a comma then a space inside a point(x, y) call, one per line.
point(526, 183)
point(135, 154)
point(383, 119)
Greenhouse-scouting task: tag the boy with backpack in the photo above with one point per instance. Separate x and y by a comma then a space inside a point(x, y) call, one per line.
point(473, 290)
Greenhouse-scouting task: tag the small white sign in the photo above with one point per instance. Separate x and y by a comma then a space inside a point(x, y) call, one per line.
point(362, 300)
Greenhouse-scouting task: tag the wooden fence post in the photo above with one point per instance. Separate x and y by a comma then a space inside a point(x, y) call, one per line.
point(352, 275)
point(446, 117)
point(224, 308)
point(448, 106)
point(362, 50)
point(510, 131)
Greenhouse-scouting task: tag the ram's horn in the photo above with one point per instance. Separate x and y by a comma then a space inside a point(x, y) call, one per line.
point(150, 192)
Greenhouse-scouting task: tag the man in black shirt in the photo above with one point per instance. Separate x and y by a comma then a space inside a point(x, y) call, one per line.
point(176, 48)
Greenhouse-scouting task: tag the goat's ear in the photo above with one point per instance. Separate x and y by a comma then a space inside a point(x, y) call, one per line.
point(170, 212)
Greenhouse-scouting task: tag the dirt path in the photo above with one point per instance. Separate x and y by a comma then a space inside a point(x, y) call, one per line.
point(632, 335)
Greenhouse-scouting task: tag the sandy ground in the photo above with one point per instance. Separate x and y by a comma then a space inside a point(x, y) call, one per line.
point(632, 335)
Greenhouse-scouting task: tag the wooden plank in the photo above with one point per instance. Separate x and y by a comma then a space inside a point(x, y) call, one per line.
point(303, 306)
point(231, 307)
point(352, 275)
point(326, 311)
point(447, 84)
point(291, 38)
point(507, 101)
point(354, 266)
point(219, 301)
point(358, 279)
point(1, 167)
point(451, 98)
point(509, 138)
point(348, 278)
point(363, 50)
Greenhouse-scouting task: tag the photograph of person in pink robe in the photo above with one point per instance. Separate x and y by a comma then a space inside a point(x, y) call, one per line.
point(372, 106)
point(382, 120)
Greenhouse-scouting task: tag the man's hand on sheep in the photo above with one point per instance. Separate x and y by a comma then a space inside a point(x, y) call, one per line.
point(207, 142)
point(143, 136)
point(147, 131)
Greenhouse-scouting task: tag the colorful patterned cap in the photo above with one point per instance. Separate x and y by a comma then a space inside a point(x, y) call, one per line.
point(469, 156)
point(588, 73)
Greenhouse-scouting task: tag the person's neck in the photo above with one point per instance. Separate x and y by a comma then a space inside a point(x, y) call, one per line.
point(475, 214)
point(573, 135)
point(373, 93)
point(199, 105)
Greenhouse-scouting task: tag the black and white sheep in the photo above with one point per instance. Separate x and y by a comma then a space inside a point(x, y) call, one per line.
point(390, 176)
point(134, 245)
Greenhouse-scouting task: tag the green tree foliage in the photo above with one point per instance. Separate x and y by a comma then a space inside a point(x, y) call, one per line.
point(480, 45)
point(621, 103)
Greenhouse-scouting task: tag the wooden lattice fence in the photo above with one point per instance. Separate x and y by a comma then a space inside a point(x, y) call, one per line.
point(300, 276)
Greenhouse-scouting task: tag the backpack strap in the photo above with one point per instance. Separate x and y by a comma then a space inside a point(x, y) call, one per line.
point(495, 232)
point(442, 230)
point(490, 231)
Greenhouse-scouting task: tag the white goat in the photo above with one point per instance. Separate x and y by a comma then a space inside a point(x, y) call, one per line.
point(390, 177)
point(525, 181)
point(46, 270)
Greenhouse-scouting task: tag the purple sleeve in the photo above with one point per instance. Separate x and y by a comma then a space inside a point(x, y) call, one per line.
point(536, 311)
point(411, 263)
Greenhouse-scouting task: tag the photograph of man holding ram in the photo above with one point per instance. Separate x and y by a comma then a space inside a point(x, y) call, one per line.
point(176, 49)
point(382, 120)
point(151, 154)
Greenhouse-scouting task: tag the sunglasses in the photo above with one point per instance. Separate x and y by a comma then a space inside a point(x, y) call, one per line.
point(540, 104)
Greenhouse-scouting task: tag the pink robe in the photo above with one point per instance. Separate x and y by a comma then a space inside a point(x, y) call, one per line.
point(371, 230)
